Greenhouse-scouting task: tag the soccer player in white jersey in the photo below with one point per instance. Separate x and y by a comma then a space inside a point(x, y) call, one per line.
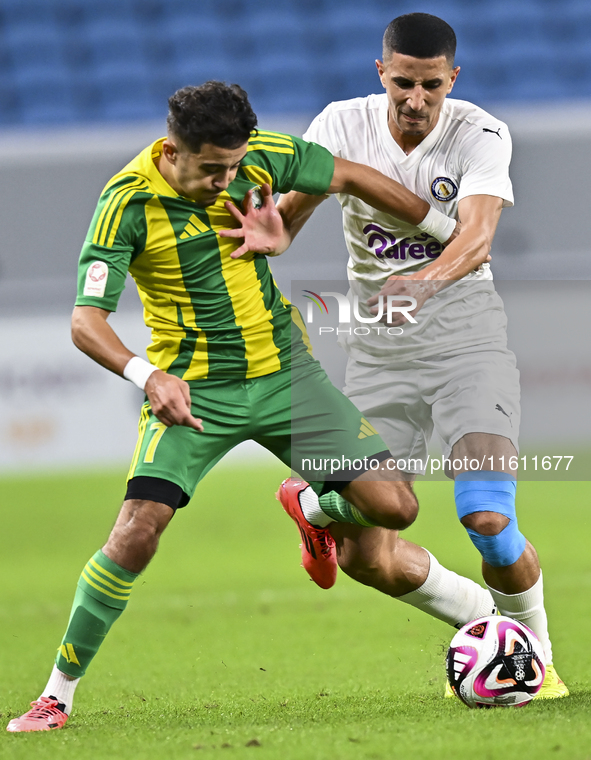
point(451, 370)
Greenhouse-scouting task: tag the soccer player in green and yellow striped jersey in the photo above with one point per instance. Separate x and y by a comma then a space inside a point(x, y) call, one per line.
point(229, 358)
point(210, 315)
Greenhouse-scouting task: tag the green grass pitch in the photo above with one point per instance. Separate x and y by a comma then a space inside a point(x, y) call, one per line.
point(226, 649)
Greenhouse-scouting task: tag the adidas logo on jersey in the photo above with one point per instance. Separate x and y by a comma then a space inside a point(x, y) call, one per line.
point(366, 429)
point(193, 228)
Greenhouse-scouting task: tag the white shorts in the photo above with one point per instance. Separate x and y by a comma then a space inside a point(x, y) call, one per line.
point(471, 391)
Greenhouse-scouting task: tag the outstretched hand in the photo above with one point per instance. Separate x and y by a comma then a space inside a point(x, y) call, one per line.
point(261, 228)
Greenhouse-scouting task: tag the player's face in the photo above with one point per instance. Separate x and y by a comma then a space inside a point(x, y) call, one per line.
point(202, 176)
point(416, 89)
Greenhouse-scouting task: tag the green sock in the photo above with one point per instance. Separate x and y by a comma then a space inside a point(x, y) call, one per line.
point(341, 510)
point(102, 594)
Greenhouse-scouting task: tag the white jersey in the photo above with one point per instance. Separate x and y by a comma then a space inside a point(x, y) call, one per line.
point(467, 153)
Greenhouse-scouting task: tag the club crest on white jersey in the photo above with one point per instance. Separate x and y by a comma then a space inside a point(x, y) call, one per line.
point(444, 189)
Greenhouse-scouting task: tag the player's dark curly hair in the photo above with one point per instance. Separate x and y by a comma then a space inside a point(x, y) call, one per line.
point(214, 112)
point(421, 36)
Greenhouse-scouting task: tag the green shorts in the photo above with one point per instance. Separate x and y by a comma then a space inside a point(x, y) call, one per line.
point(296, 413)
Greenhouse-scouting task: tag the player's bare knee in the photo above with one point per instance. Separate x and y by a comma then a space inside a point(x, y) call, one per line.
point(134, 538)
point(411, 505)
point(151, 514)
point(400, 508)
point(485, 523)
point(392, 505)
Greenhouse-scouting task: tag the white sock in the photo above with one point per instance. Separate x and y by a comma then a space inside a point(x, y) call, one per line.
point(62, 688)
point(312, 509)
point(528, 608)
point(450, 597)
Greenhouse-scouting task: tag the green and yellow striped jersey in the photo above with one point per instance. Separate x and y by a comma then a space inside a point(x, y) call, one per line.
point(210, 315)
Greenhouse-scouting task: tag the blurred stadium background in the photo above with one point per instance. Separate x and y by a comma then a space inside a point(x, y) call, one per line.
point(83, 87)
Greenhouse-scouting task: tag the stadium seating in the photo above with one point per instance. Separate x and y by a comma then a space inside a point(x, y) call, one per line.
point(73, 61)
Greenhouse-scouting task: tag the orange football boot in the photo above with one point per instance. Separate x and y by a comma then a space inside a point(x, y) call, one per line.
point(319, 554)
point(47, 714)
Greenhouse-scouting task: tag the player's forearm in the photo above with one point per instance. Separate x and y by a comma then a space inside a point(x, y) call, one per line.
point(385, 194)
point(93, 335)
point(169, 396)
point(295, 209)
point(378, 191)
point(462, 256)
point(373, 188)
point(479, 215)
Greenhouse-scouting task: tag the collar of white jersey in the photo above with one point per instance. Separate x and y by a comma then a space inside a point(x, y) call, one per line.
point(414, 156)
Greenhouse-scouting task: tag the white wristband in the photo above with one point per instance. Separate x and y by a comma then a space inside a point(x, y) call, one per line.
point(138, 370)
point(438, 225)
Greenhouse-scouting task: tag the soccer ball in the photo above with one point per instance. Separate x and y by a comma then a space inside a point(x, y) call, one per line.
point(495, 661)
